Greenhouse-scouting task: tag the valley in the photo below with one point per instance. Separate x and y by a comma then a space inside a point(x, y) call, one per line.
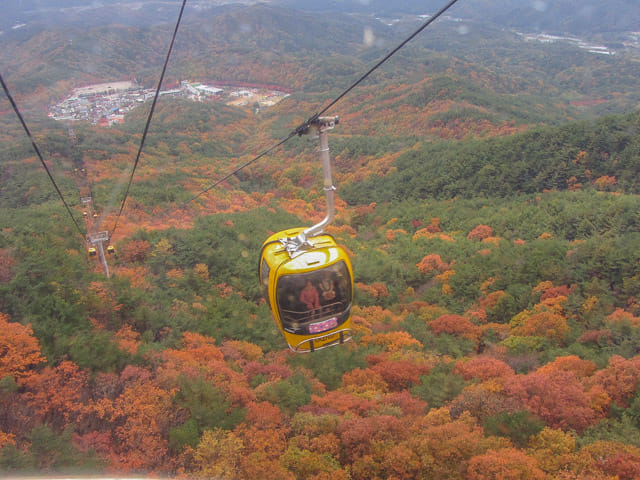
point(487, 190)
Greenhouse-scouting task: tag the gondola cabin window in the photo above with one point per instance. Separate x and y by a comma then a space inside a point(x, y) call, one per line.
point(316, 301)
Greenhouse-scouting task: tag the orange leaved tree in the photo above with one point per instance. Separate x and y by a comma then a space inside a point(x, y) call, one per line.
point(504, 464)
point(19, 349)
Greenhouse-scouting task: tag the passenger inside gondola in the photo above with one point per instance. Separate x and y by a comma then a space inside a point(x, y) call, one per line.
point(327, 288)
point(309, 296)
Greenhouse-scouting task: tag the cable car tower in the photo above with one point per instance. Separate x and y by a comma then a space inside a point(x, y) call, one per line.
point(72, 135)
point(97, 240)
point(306, 277)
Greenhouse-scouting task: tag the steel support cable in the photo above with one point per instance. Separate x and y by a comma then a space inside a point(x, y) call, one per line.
point(383, 60)
point(37, 150)
point(146, 127)
point(304, 127)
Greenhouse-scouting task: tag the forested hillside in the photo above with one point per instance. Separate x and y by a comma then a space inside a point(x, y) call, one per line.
point(317, 52)
point(542, 159)
point(493, 225)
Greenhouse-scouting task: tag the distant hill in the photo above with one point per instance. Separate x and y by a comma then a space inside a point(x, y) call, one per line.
point(601, 154)
point(445, 84)
point(577, 17)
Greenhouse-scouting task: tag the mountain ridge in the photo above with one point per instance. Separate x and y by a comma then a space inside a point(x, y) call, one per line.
point(575, 17)
point(319, 52)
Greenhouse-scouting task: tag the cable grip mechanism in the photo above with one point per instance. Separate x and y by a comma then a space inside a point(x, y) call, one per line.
point(322, 125)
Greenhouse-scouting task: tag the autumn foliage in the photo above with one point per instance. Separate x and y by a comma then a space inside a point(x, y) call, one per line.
point(19, 349)
point(460, 389)
point(495, 316)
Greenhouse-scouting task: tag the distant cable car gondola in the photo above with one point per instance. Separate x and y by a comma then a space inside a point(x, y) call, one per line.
point(92, 252)
point(307, 278)
point(111, 250)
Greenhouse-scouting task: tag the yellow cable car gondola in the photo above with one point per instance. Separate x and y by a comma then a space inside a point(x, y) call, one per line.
point(111, 249)
point(307, 278)
point(310, 291)
point(92, 252)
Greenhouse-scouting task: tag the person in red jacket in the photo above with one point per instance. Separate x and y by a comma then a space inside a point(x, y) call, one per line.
point(309, 296)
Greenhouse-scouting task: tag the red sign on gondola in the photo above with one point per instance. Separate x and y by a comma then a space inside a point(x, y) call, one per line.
point(324, 325)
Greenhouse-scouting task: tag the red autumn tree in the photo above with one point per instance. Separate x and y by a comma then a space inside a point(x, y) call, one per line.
point(480, 232)
point(431, 263)
point(623, 465)
point(387, 460)
point(483, 368)
point(605, 182)
point(399, 374)
point(340, 402)
point(259, 465)
point(622, 316)
point(361, 380)
point(504, 464)
point(599, 337)
point(491, 300)
point(6, 439)
point(455, 325)
point(57, 396)
point(358, 434)
point(141, 417)
point(608, 459)
point(619, 379)
point(446, 446)
point(135, 251)
point(409, 405)
point(571, 363)
point(19, 349)
point(483, 400)
point(557, 397)
point(264, 430)
point(560, 291)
